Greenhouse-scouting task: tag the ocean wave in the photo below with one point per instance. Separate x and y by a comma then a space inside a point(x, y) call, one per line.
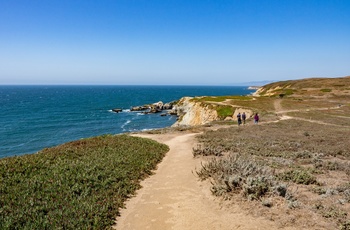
point(147, 129)
point(123, 111)
point(125, 124)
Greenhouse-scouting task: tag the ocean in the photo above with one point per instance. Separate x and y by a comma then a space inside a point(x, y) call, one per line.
point(37, 117)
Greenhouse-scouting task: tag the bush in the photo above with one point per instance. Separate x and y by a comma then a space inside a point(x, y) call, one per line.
point(207, 151)
point(345, 225)
point(299, 176)
point(238, 173)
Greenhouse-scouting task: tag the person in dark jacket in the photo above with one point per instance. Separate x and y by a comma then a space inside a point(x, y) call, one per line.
point(256, 118)
point(239, 119)
point(243, 118)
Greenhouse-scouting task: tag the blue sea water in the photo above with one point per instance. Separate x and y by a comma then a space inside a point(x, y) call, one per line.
point(37, 117)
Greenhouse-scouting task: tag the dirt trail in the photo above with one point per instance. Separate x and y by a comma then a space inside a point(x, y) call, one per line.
point(174, 198)
point(282, 113)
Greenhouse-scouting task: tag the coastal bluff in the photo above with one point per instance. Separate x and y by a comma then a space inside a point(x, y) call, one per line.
point(192, 113)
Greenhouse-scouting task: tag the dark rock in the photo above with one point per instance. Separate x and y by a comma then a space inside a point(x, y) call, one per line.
point(117, 110)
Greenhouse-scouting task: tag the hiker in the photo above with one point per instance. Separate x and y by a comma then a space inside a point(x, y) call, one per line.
point(243, 118)
point(239, 120)
point(256, 118)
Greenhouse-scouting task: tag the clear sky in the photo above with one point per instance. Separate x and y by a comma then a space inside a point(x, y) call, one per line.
point(172, 42)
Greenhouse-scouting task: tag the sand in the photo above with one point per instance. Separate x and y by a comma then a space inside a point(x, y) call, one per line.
point(174, 198)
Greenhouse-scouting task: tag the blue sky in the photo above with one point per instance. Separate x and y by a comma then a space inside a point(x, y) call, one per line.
point(172, 42)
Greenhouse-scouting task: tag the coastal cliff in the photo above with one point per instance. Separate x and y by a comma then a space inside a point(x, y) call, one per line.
point(193, 113)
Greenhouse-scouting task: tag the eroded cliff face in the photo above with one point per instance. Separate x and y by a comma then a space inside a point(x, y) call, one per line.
point(193, 113)
point(266, 92)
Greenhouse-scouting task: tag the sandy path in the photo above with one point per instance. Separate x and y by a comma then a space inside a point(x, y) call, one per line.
point(173, 198)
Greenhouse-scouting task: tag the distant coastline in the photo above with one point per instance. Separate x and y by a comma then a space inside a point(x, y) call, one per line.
point(254, 87)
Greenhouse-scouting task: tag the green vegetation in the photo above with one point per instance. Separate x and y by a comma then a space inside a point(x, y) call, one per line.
point(299, 176)
point(326, 90)
point(288, 92)
point(283, 92)
point(224, 111)
point(221, 98)
point(78, 185)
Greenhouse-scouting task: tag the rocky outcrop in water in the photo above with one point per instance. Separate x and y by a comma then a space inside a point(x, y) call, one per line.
point(156, 107)
point(117, 110)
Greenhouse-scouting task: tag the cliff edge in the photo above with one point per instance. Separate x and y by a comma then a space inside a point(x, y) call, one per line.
point(192, 113)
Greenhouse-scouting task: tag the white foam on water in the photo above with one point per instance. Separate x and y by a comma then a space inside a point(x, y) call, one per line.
point(125, 124)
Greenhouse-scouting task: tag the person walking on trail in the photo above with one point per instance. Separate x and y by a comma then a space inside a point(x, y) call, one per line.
point(243, 118)
point(239, 119)
point(256, 118)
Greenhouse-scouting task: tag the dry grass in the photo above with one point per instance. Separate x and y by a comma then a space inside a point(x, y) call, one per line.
point(296, 169)
point(261, 104)
point(313, 87)
point(305, 104)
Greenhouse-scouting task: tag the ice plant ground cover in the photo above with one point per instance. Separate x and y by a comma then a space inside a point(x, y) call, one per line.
point(77, 185)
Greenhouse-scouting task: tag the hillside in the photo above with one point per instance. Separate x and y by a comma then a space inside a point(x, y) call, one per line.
point(293, 169)
point(312, 87)
point(313, 92)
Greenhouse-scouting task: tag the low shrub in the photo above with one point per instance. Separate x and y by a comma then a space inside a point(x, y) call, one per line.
point(207, 151)
point(299, 176)
point(78, 185)
point(344, 190)
point(345, 225)
point(239, 173)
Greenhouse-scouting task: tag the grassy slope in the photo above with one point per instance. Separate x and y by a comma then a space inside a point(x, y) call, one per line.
point(309, 87)
point(78, 185)
point(298, 168)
